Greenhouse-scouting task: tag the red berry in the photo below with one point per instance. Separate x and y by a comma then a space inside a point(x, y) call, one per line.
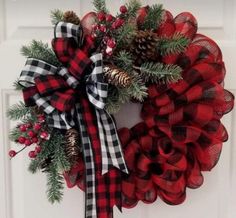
point(35, 140)
point(32, 154)
point(28, 125)
point(118, 23)
point(96, 27)
point(41, 118)
point(111, 43)
point(123, 9)
point(101, 16)
point(44, 135)
point(37, 126)
point(109, 18)
point(21, 139)
point(23, 128)
point(103, 28)
point(28, 142)
point(38, 149)
point(31, 134)
point(12, 153)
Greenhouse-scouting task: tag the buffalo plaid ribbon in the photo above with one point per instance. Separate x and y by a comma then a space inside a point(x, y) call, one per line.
point(74, 95)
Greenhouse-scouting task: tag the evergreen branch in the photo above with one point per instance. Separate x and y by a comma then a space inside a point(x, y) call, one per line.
point(133, 6)
point(54, 185)
point(40, 50)
point(138, 90)
point(18, 111)
point(14, 134)
point(154, 17)
point(124, 61)
point(173, 45)
point(59, 158)
point(159, 72)
point(124, 35)
point(100, 6)
point(56, 16)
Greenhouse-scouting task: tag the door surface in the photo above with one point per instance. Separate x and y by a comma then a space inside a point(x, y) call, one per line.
point(22, 195)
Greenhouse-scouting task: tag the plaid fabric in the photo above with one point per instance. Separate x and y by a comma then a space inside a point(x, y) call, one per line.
point(108, 186)
point(57, 94)
point(69, 30)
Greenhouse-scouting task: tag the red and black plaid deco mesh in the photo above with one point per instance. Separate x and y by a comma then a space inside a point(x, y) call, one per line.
point(181, 134)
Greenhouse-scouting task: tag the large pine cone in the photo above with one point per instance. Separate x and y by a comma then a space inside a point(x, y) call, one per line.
point(144, 46)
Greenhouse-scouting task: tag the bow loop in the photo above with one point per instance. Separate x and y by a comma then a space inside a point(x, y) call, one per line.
point(96, 88)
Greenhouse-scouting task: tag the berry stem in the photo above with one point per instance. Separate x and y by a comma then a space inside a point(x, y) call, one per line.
point(19, 151)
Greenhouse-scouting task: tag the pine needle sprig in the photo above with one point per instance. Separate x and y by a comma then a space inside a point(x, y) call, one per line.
point(132, 8)
point(40, 50)
point(55, 185)
point(173, 45)
point(18, 111)
point(137, 89)
point(154, 17)
point(100, 6)
point(124, 35)
point(159, 72)
point(56, 16)
point(124, 60)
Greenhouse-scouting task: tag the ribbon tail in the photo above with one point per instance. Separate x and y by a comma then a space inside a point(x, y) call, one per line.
point(112, 155)
point(90, 204)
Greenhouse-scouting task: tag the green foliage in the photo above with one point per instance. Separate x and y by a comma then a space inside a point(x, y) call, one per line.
point(137, 90)
point(133, 6)
point(54, 149)
point(124, 60)
point(159, 72)
point(55, 185)
point(18, 111)
point(154, 17)
point(124, 35)
point(173, 45)
point(100, 6)
point(56, 16)
point(40, 50)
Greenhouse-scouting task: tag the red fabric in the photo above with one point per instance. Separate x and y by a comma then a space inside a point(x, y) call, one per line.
point(181, 134)
point(108, 186)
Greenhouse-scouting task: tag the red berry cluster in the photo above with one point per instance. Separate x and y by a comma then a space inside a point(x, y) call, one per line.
point(105, 25)
point(32, 134)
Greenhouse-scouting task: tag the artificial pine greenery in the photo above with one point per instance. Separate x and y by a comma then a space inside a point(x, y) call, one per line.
point(100, 6)
point(40, 50)
point(18, 111)
point(55, 185)
point(54, 149)
point(154, 17)
point(56, 16)
point(173, 45)
point(123, 36)
point(132, 8)
point(159, 72)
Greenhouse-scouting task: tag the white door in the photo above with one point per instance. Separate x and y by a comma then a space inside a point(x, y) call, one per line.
point(22, 195)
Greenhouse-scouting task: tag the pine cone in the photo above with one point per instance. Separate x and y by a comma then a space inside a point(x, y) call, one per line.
point(72, 145)
point(71, 17)
point(116, 76)
point(144, 46)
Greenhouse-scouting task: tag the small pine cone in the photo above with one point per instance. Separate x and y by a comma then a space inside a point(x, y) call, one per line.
point(116, 76)
point(72, 145)
point(144, 46)
point(71, 17)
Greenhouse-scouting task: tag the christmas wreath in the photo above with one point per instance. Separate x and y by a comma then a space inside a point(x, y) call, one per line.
point(98, 63)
